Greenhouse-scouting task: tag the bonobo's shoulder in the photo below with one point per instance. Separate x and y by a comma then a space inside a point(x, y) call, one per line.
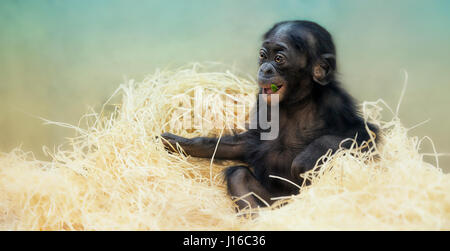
point(337, 107)
point(341, 115)
point(334, 96)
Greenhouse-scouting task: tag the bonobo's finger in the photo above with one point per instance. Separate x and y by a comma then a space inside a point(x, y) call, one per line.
point(170, 141)
point(171, 138)
point(296, 170)
point(168, 135)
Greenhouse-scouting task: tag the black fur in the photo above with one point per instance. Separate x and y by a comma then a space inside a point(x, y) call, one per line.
point(315, 115)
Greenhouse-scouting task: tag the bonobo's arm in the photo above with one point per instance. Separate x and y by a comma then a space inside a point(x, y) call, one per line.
point(307, 159)
point(230, 146)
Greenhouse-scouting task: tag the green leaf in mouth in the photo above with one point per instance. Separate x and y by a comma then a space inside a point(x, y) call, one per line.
point(274, 87)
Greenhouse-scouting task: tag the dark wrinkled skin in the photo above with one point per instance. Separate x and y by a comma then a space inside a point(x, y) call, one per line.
point(316, 114)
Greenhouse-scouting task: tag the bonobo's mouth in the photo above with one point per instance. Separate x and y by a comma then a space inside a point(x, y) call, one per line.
point(271, 89)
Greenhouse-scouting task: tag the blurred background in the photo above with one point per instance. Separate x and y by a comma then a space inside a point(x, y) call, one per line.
point(57, 58)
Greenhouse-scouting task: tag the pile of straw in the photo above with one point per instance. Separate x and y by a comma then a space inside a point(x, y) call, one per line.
point(116, 175)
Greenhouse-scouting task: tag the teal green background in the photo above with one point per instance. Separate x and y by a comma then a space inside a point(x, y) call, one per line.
point(59, 57)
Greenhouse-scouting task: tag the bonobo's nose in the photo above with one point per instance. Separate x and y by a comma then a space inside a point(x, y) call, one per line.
point(266, 70)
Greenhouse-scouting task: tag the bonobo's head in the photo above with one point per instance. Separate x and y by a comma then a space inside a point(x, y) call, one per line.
point(294, 57)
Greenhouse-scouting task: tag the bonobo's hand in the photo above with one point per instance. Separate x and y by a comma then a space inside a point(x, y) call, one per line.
point(301, 164)
point(171, 141)
point(231, 147)
point(297, 169)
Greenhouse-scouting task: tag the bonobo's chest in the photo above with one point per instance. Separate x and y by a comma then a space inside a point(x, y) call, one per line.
point(277, 155)
point(274, 157)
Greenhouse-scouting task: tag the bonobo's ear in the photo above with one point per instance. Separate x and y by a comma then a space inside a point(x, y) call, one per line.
point(323, 68)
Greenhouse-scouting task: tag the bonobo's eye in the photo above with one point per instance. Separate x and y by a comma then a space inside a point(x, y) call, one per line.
point(262, 54)
point(279, 59)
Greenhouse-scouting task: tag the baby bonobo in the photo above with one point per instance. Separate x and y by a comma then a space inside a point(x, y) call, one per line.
point(297, 61)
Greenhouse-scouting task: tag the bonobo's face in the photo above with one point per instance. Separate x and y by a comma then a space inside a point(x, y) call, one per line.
point(281, 64)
